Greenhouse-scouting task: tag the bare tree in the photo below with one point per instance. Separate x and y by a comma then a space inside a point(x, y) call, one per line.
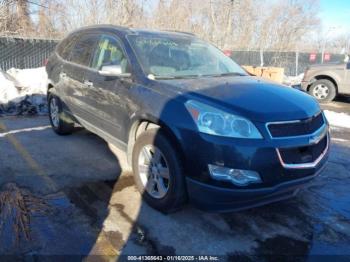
point(15, 17)
point(232, 24)
point(23, 18)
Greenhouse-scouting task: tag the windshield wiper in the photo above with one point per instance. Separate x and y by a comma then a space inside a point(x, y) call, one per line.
point(231, 74)
point(177, 77)
point(196, 76)
point(164, 77)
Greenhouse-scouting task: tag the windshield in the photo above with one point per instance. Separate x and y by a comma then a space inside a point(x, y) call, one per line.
point(181, 57)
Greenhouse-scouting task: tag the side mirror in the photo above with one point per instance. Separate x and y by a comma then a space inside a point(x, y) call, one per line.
point(113, 70)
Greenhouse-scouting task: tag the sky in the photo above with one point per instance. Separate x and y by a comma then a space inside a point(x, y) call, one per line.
point(335, 16)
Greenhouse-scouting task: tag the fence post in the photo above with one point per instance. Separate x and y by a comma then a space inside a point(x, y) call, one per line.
point(296, 63)
point(261, 57)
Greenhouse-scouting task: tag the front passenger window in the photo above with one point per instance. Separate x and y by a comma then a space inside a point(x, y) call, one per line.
point(109, 52)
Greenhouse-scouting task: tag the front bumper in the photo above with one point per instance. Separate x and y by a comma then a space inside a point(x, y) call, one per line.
point(279, 181)
point(217, 199)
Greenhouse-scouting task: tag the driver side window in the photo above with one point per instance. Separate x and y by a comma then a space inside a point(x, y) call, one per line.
point(108, 52)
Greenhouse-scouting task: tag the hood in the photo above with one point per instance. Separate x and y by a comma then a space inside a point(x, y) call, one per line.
point(251, 97)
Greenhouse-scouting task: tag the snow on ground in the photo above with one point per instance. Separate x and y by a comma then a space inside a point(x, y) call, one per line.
point(23, 91)
point(337, 119)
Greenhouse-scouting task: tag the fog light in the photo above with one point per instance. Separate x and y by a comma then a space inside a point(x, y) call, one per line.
point(238, 177)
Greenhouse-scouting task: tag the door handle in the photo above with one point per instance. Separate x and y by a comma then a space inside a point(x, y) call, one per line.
point(63, 75)
point(88, 83)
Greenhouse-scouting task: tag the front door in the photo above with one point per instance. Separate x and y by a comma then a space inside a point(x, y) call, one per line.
point(110, 93)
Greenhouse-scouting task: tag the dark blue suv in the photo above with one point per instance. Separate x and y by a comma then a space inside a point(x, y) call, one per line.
point(194, 125)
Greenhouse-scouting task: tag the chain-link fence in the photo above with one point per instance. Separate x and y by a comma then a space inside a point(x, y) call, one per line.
point(24, 53)
point(294, 63)
point(29, 53)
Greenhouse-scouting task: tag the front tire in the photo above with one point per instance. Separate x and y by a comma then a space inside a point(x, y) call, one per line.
point(323, 90)
point(158, 171)
point(59, 124)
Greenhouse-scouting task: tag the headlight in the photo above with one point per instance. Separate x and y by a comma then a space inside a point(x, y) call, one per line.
point(214, 121)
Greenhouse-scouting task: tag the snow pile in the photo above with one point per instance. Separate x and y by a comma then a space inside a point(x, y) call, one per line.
point(293, 80)
point(23, 91)
point(8, 90)
point(337, 119)
point(30, 81)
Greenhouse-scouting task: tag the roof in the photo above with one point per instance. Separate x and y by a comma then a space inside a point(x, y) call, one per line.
point(126, 30)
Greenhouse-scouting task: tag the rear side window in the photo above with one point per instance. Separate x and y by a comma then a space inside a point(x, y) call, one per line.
point(83, 50)
point(65, 47)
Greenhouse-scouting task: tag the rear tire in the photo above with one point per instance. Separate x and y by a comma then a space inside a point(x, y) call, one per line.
point(323, 90)
point(60, 125)
point(158, 172)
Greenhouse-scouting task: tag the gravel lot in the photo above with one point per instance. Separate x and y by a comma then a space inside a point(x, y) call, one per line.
point(70, 196)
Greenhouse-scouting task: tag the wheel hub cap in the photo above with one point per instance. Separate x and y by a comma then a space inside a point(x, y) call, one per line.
point(321, 91)
point(154, 171)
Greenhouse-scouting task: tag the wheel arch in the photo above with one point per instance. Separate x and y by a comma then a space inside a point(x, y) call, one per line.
point(50, 89)
point(144, 123)
point(324, 77)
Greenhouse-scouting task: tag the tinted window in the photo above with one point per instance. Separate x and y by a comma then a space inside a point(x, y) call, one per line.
point(65, 47)
point(83, 49)
point(109, 52)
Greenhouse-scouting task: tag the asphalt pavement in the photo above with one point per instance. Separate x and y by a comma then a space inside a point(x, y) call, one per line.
point(69, 195)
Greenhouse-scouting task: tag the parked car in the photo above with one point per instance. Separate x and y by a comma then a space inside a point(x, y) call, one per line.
point(326, 81)
point(193, 123)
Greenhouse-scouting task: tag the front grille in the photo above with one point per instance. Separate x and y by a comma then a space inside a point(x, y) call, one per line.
point(297, 128)
point(305, 154)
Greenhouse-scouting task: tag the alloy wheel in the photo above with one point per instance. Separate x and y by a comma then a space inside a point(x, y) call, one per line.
point(54, 114)
point(154, 171)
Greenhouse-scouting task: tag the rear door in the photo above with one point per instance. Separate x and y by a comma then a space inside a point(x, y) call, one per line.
point(76, 90)
point(110, 93)
point(63, 50)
